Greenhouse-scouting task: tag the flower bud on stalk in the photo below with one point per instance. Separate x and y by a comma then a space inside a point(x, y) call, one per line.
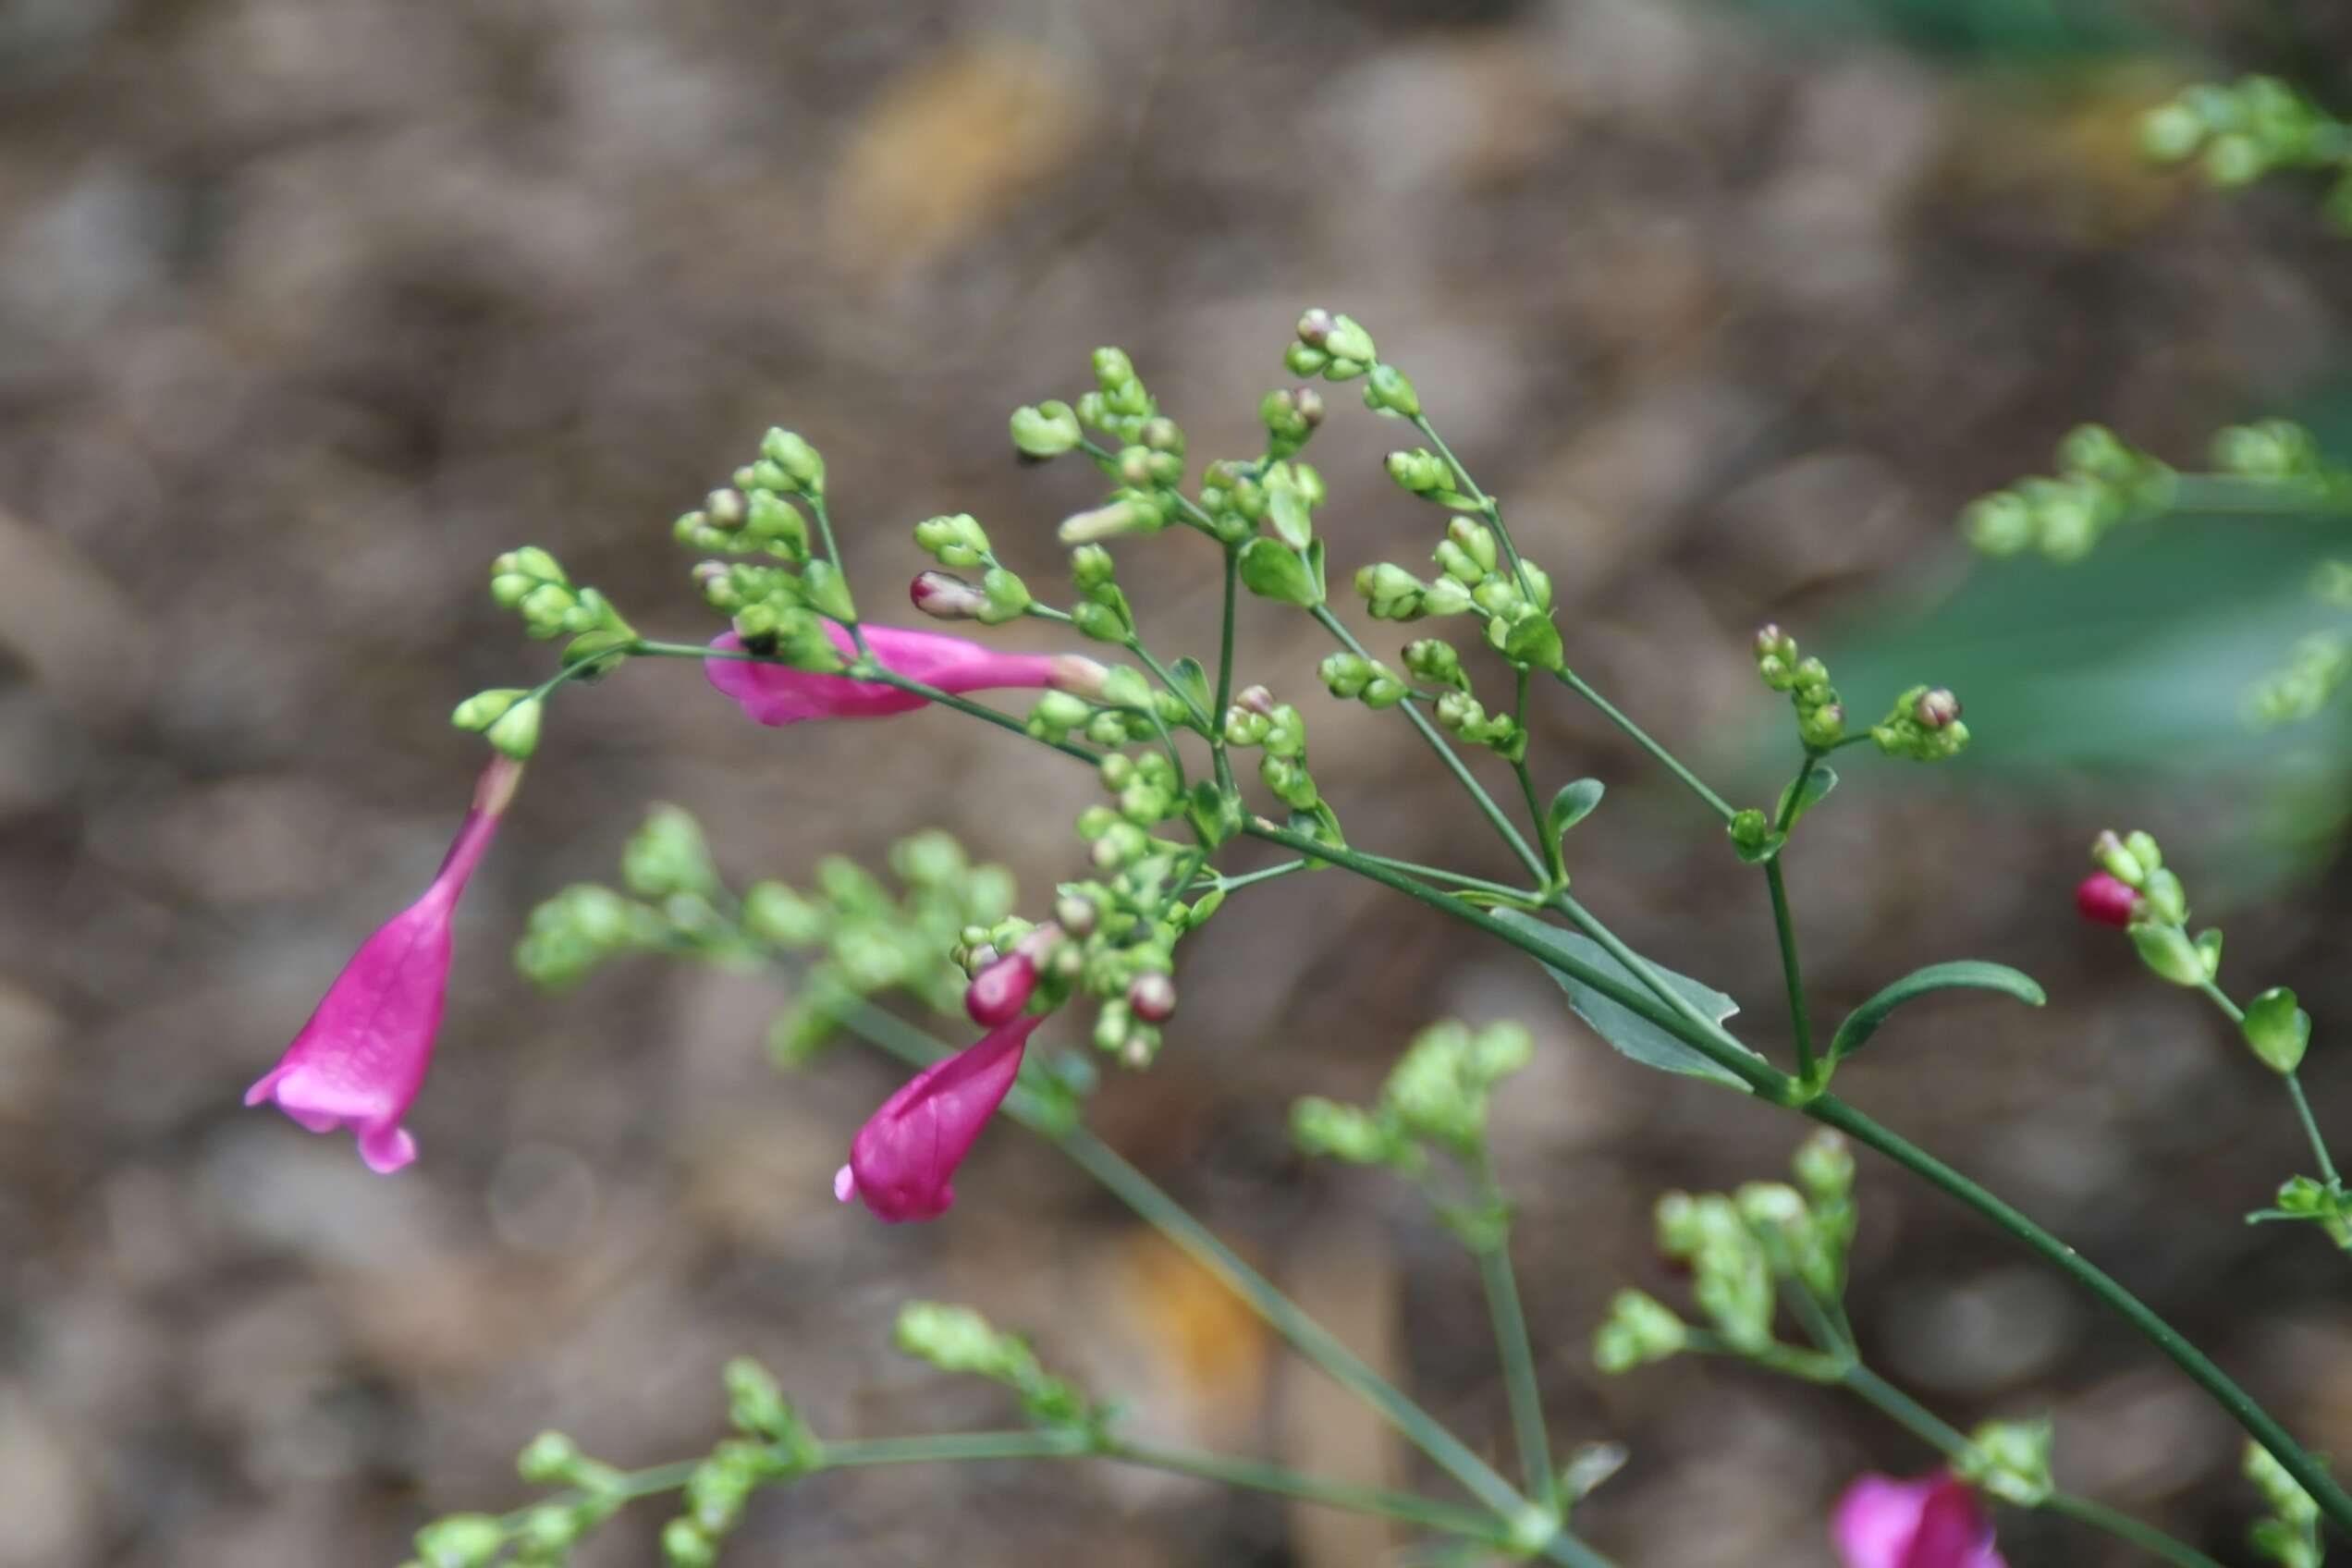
point(944, 596)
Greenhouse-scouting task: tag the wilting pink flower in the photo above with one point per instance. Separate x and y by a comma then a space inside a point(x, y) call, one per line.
point(1931, 1523)
point(361, 1058)
point(998, 992)
point(775, 693)
point(904, 1158)
point(2107, 900)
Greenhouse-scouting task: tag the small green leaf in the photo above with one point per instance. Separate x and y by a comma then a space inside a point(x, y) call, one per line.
point(1271, 569)
point(1286, 509)
point(1818, 785)
point(1192, 682)
point(1963, 973)
point(1571, 805)
point(1757, 854)
point(1629, 1031)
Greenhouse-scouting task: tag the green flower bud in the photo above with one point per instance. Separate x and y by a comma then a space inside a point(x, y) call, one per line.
point(774, 913)
point(1098, 621)
point(1271, 569)
point(2171, 133)
point(2277, 1029)
point(684, 1546)
point(1531, 640)
point(1824, 1167)
point(516, 732)
point(1389, 390)
point(2010, 1460)
point(1126, 688)
point(1008, 597)
point(957, 541)
point(1326, 1128)
point(1301, 358)
point(1750, 830)
point(799, 462)
point(1345, 674)
point(667, 855)
point(480, 710)
point(1434, 660)
point(461, 1540)
point(1045, 430)
point(1419, 472)
point(550, 1459)
point(1112, 368)
point(1821, 727)
point(1640, 1330)
point(2111, 856)
point(2166, 900)
point(2167, 950)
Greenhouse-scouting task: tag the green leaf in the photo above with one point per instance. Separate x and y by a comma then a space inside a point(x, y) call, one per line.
point(1286, 509)
point(1628, 1031)
point(1271, 569)
point(1192, 682)
point(1757, 854)
point(1818, 785)
point(1572, 805)
point(1963, 974)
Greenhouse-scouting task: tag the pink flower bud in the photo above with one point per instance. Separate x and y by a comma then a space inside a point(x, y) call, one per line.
point(903, 1161)
point(360, 1060)
point(1936, 708)
point(1931, 1523)
point(1078, 675)
point(943, 595)
point(1153, 996)
point(772, 694)
point(2106, 900)
point(999, 992)
point(1256, 699)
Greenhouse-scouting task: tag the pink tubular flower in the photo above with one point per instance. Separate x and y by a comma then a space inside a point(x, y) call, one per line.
point(361, 1058)
point(1931, 1523)
point(2105, 900)
point(904, 1158)
point(775, 693)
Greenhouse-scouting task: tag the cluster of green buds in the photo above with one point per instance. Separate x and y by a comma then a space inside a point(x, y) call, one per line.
point(1355, 679)
point(1291, 415)
point(1820, 718)
point(1277, 731)
point(533, 583)
point(1436, 1100)
point(2289, 1534)
point(2157, 914)
point(2101, 483)
point(958, 1339)
point(2281, 453)
point(1284, 564)
point(856, 937)
point(2248, 128)
point(775, 591)
point(774, 1445)
point(1113, 935)
point(1514, 597)
point(998, 597)
point(1923, 724)
point(2315, 671)
point(1148, 463)
point(1741, 1247)
point(1337, 348)
point(1432, 1109)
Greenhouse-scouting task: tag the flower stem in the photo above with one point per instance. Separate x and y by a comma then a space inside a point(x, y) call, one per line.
point(1446, 754)
point(2236, 1015)
point(1641, 737)
point(833, 553)
point(1792, 973)
point(2123, 1527)
point(1550, 842)
point(1225, 674)
point(1510, 1319)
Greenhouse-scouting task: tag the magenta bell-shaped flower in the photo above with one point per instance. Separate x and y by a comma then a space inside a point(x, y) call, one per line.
point(1931, 1523)
point(362, 1056)
point(903, 1160)
point(775, 693)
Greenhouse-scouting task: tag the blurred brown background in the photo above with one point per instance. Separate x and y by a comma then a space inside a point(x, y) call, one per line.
point(308, 307)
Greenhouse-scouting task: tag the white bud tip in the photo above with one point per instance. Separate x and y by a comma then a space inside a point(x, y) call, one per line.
point(844, 1184)
point(1078, 675)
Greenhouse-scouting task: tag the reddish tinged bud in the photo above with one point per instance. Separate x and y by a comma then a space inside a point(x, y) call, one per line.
point(943, 595)
point(1936, 708)
point(998, 992)
point(1256, 699)
point(1310, 406)
point(1153, 996)
point(1767, 639)
point(2106, 900)
point(1314, 327)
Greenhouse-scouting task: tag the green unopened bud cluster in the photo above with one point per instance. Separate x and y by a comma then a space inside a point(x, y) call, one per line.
point(1820, 718)
point(1435, 1100)
point(1741, 1247)
point(2289, 1534)
point(533, 583)
point(1291, 415)
point(1472, 577)
point(1924, 725)
point(758, 515)
point(1333, 347)
point(775, 1444)
point(2243, 130)
point(2314, 673)
point(2101, 483)
point(958, 1339)
point(1277, 732)
point(541, 1537)
point(857, 938)
point(1353, 677)
point(775, 593)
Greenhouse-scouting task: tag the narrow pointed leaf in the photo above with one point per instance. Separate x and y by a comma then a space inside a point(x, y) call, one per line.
point(1963, 973)
point(1629, 1031)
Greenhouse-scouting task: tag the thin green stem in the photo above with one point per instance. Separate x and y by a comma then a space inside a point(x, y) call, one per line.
point(1282, 1481)
point(1455, 764)
point(2123, 1527)
point(1907, 1413)
point(1228, 884)
point(1549, 840)
point(1792, 972)
point(1519, 1381)
point(2311, 1129)
point(951, 1447)
point(1225, 673)
point(1135, 646)
point(1825, 1333)
point(1641, 738)
point(833, 553)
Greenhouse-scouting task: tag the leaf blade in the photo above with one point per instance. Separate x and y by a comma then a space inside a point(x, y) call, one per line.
point(1967, 974)
point(1627, 1032)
